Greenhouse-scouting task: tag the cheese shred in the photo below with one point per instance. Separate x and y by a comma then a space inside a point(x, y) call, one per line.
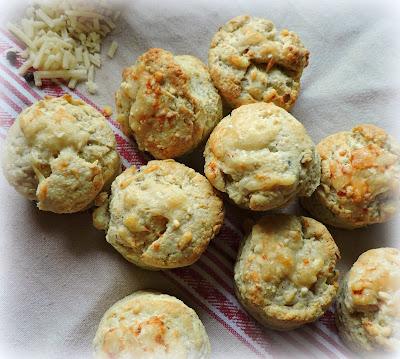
point(113, 48)
point(63, 41)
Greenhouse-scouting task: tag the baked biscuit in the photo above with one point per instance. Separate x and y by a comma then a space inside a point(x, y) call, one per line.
point(360, 178)
point(368, 304)
point(151, 325)
point(162, 216)
point(250, 61)
point(167, 103)
point(285, 271)
point(262, 157)
point(61, 153)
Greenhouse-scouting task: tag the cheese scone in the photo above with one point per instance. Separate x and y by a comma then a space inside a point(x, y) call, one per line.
point(285, 272)
point(150, 325)
point(368, 304)
point(262, 157)
point(167, 103)
point(250, 61)
point(360, 178)
point(162, 216)
point(61, 153)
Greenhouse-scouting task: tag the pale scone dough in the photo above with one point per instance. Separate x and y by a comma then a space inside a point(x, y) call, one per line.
point(285, 271)
point(162, 216)
point(167, 103)
point(61, 153)
point(262, 157)
point(250, 61)
point(360, 179)
point(368, 305)
point(150, 325)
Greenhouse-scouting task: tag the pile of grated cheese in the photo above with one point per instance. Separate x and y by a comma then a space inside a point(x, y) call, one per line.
point(64, 40)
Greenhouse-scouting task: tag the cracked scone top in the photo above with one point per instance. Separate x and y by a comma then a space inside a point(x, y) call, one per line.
point(360, 178)
point(162, 216)
point(262, 157)
point(149, 325)
point(285, 271)
point(250, 61)
point(368, 305)
point(168, 103)
point(61, 153)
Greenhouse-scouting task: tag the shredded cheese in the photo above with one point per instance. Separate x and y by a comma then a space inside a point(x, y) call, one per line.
point(37, 78)
point(25, 67)
point(72, 83)
point(64, 40)
point(20, 34)
point(86, 60)
point(113, 48)
point(43, 16)
point(91, 73)
point(92, 87)
point(62, 74)
point(84, 14)
point(95, 60)
point(78, 54)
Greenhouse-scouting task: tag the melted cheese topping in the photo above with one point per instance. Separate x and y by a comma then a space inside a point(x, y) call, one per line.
point(151, 325)
point(374, 281)
point(287, 261)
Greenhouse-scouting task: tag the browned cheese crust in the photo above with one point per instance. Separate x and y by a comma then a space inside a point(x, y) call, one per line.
point(168, 103)
point(285, 273)
point(360, 178)
point(250, 61)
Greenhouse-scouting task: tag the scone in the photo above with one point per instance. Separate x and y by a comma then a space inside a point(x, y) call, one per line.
point(262, 157)
point(61, 153)
point(150, 325)
point(160, 217)
point(285, 271)
point(360, 178)
point(167, 103)
point(250, 61)
point(368, 305)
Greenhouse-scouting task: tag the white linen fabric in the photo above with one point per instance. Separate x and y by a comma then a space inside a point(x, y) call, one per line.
point(58, 275)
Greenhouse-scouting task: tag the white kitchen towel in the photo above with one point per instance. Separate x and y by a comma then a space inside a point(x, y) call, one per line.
point(57, 273)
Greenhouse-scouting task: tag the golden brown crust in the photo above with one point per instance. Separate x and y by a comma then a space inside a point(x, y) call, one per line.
point(262, 157)
point(162, 216)
point(285, 272)
point(151, 325)
point(368, 306)
point(250, 62)
point(360, 178)
point(61, 152)
point(167, 103)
